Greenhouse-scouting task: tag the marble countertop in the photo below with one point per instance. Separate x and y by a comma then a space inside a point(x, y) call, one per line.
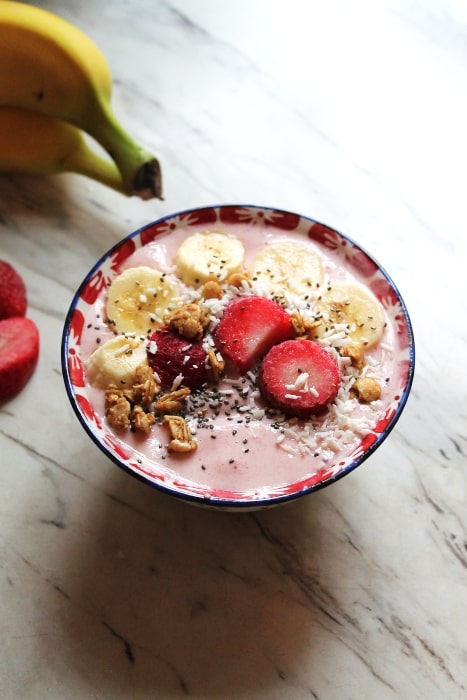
point(352, 113)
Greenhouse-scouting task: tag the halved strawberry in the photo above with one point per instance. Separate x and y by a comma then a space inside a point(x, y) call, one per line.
point(249, 327)
point(300, 377)
point(19, 352)
point(172, 356)
point(13, 301)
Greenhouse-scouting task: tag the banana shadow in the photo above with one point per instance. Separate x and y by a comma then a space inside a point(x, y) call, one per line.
point(159, 596)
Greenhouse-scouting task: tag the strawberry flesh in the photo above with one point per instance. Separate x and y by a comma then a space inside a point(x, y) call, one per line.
point(19, 353)
point(170, 355)
point(249, 327)
point(13, 301)
point(299, 377)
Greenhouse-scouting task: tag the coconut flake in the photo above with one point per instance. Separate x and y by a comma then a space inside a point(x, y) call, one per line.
point(176, 382)
point(122, 350)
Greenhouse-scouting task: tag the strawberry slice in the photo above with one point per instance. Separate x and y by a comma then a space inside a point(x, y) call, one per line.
point(299, 377)
point(249, 327)
point(13, 301)
point(173, 357)
point(19, 352)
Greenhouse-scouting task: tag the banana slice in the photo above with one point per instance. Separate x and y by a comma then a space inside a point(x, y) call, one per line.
point(115, 362)
point(209, 256)
point(353, 307)
point(288, 267)
point(138, 299)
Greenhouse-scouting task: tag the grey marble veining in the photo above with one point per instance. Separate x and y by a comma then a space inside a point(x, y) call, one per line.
point(354, 114)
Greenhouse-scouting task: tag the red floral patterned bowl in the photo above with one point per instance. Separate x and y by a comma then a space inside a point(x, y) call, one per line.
point(171, 478)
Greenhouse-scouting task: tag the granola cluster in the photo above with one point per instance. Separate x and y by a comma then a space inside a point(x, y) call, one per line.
point(136, 408)
point(189, 320)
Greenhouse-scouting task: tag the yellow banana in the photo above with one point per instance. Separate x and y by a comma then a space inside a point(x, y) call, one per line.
point(209, 255)
point(34, 144)
point(138, 298)
point(50, 66)
point(115, 362)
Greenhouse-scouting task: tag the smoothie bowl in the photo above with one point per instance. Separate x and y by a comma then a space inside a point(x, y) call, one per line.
point(237, 357)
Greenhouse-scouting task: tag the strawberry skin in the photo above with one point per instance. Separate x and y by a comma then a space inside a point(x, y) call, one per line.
point(13, 301)
point(19, 353)
point(299, 377)
point(170, 355)
point(249, 327)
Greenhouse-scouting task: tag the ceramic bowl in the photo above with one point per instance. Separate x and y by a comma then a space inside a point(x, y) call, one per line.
point(306, 475)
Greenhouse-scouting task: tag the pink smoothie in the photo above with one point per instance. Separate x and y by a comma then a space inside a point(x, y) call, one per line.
point(242, 444)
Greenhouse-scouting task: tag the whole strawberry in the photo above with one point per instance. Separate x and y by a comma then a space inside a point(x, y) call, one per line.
point(13, 300)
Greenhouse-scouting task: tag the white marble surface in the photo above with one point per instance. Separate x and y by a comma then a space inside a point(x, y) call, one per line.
point(354, 113)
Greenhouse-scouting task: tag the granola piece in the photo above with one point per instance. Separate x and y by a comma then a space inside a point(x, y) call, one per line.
point(182, 439)
point(143, 373)
point(172, 401)
point(216, 364)
point(141, 420)
point(367, 389)
point(356, 354)
point(189, 321)
point(237, 279)
point(212, 290)
point(303, 328)
point(117, 408)
point(145, 387)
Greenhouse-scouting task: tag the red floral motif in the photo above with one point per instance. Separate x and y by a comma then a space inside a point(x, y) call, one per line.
point(311, 481)
point(200, 217)
point(403, 334)
point(362, 263)
point(147, 472)
point(404, 368)
point(75, 369)
point(149, 234)
point(384, 292)
point(382, 424)
point(403, 339)
point(324, 235)
point(127, 247)
point(371, 438)
point(115, 446)
point(268, 217)
point(93, 287)
point(222, 495)
point(76, 325)
point(88, 410)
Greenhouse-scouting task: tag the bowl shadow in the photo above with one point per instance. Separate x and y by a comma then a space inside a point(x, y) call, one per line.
point(167, 598)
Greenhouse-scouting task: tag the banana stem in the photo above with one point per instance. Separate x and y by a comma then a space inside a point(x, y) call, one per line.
point(85, 162)
point(139, 169)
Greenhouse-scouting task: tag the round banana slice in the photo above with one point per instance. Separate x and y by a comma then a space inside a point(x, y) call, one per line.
point(209, 256)
point(115, 362)
point(353, 307)
point(288, 267)
point(138, 299)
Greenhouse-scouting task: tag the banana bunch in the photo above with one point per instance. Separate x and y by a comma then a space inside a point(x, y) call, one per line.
point(55, 87)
